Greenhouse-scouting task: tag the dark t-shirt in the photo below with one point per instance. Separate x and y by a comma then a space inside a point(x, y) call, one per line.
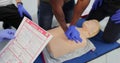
point(112, 3)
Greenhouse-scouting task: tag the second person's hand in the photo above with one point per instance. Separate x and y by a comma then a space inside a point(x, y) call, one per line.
point(116, 17)
point(22, 11)
point(7, 34)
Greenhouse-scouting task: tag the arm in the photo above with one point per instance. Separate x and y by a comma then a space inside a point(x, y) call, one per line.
point(22, 10)
point(18, 1)
point(57, 10)
point(78, 10)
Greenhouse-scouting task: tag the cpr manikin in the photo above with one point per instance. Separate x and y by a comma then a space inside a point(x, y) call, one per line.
point(60, 45)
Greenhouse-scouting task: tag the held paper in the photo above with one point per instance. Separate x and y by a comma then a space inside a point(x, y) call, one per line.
point(28, 44)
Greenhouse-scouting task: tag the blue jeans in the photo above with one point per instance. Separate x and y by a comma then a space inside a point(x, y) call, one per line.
point(45, 14)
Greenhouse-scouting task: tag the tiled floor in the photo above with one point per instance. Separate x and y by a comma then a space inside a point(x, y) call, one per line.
point(111, 57)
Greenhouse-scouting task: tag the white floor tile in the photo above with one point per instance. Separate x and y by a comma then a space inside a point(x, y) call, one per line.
point(101, 59)
point(114, 56)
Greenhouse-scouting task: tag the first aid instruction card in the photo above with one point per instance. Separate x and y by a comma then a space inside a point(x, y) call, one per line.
point(30, 40)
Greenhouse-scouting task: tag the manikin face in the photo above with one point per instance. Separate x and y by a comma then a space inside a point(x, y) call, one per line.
point(92, 27)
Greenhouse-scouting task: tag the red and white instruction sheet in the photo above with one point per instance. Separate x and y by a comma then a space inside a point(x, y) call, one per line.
point(29, 42)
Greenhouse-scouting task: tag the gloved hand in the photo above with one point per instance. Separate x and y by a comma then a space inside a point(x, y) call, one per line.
point(97, 3)
point(7, 34)
point(116, 17)
point(22, 11)
point(73, 34)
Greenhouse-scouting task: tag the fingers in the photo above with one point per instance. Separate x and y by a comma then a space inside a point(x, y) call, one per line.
point(80, 40)
point(68, 34)
point(77, 39)
point(73, 34)
point(117, 22)
point(115, 18)
point(20, 12)
point(10, 33)
point(23, 12)
point(118, 11)
point(11, 30)
point(10, 36)
point(27, 14)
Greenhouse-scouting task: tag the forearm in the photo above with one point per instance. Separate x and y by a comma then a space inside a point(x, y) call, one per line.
point(61, 18)
point(78, 10)
point(17, 1)
point(57, 10)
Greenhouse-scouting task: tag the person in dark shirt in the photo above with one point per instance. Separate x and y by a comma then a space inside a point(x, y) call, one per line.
point(102, 9)
point(65, 11)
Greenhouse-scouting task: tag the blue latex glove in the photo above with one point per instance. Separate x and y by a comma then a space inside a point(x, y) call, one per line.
point(80, 22)
point(22, 11)
point(97, 3)
point(73, 34)
point(116, 17)
point(7, 34)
